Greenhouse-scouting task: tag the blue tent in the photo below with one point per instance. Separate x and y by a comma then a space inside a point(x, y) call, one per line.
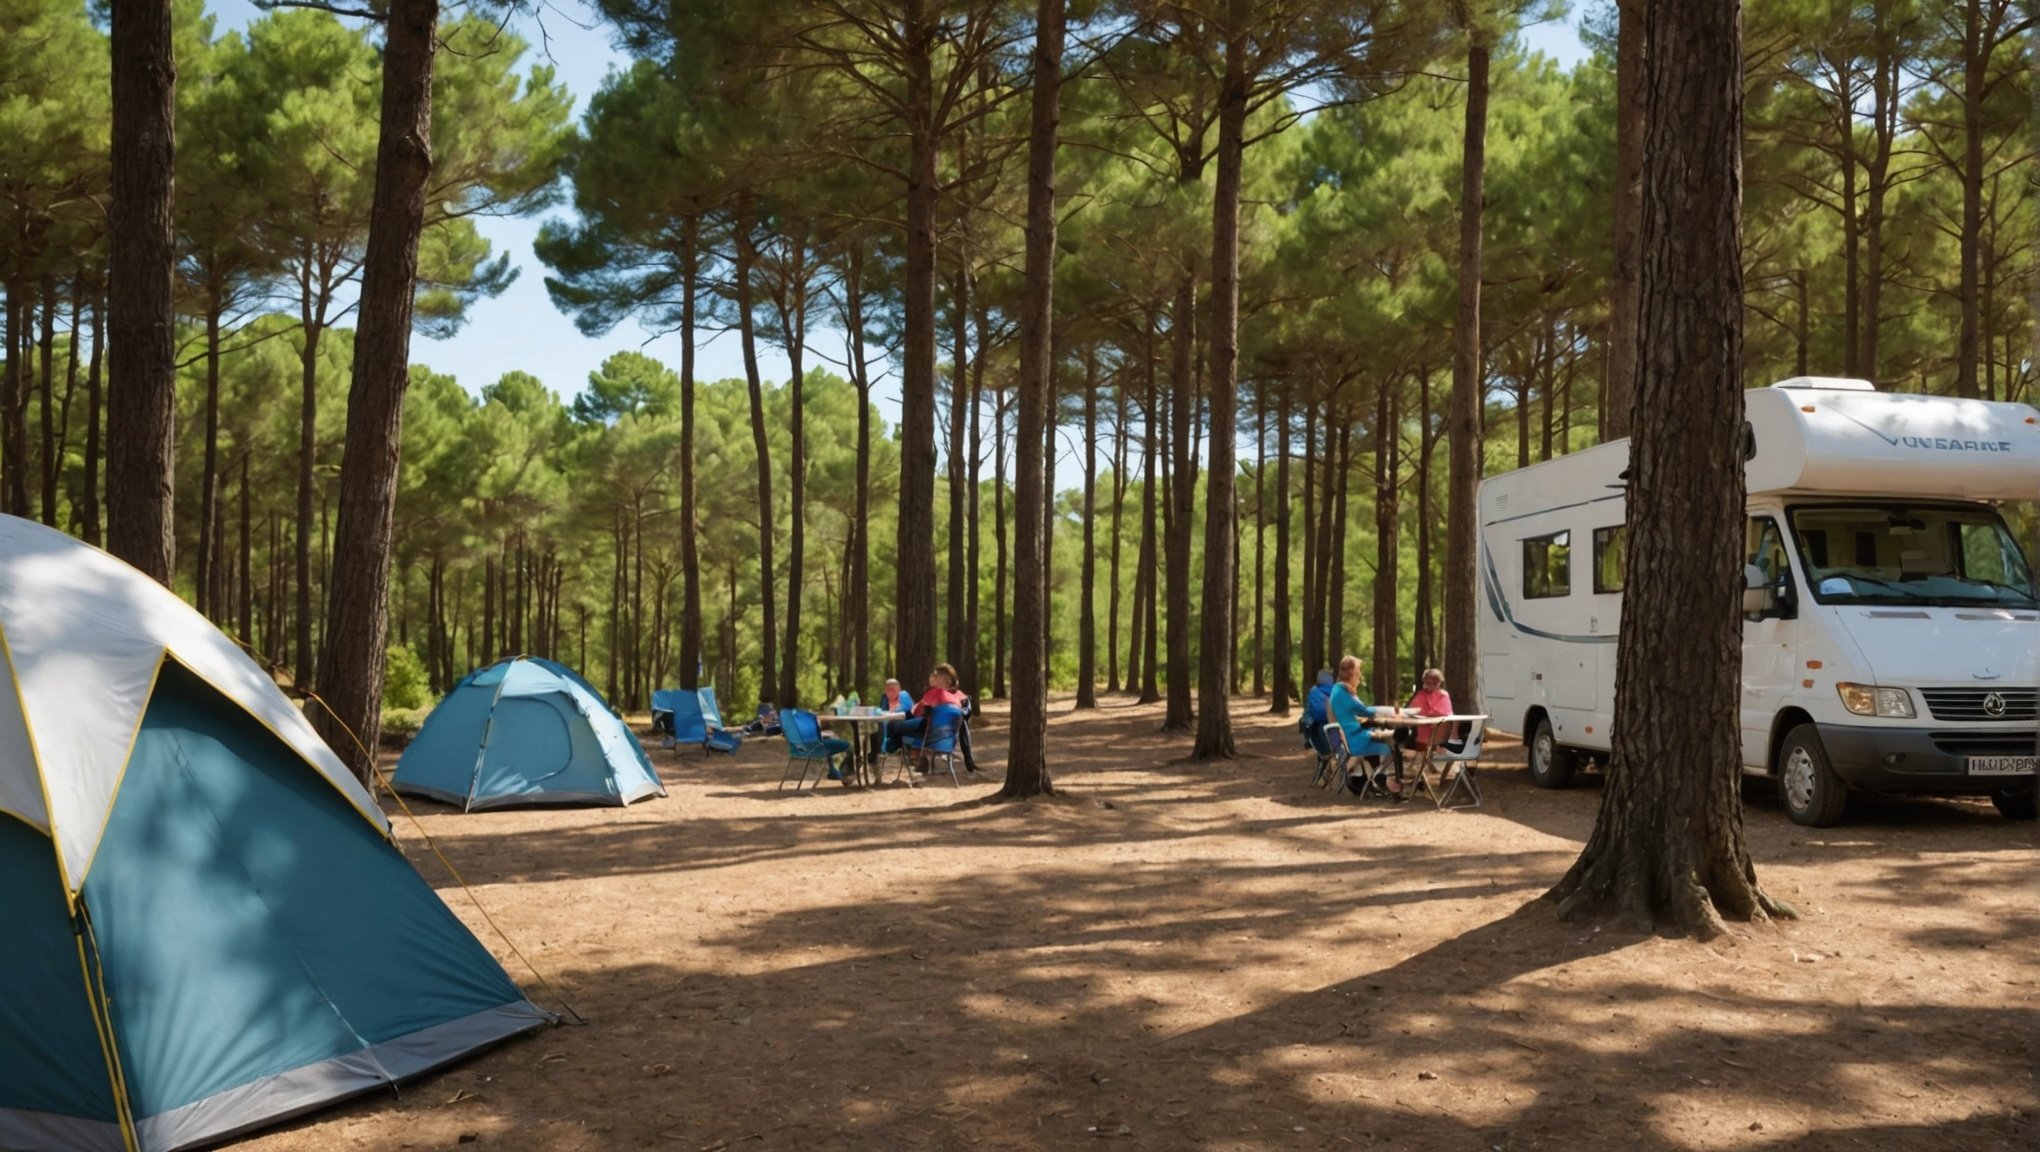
point(206, 928)
point(525, 731)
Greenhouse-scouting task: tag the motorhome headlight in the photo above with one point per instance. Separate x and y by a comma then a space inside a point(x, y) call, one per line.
point(1870, 700)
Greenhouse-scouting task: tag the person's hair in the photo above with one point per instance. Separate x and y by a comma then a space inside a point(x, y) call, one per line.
point(1430, 672)
point(948, 670)
point(1348, 663)
point(891, 682)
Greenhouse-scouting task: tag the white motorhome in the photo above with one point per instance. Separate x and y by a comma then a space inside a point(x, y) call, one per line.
point(1891, 636)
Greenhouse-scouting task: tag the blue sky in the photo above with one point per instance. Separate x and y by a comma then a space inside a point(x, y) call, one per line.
point(521, 330)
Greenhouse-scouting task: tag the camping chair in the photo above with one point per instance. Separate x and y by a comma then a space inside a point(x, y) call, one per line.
point(1332, 757)
point(682, 712)
point(1462, 782)
point(936, 738)
point(1374, 760)
point(1318, 738)
point(716, 736)
point(806, 744)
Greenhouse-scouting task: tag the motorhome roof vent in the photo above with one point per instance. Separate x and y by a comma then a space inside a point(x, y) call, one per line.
point(1827, 383)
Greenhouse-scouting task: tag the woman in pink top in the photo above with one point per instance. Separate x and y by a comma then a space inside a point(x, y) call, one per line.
point(942, 690)
point(1430, 700)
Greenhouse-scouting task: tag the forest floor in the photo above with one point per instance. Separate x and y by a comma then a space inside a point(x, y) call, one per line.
point(1216, 958)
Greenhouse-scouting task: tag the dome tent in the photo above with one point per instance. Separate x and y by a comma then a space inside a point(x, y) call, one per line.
point(208, 928)
point(525, 731)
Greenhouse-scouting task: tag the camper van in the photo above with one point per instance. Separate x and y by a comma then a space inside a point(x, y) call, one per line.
point(1891, 632)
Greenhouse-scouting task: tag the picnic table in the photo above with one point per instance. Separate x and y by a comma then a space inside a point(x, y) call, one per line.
point(854, 723)
point(1463, 782)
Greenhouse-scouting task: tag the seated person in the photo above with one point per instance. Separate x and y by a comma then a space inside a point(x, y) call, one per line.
point(892, 698)
point(941, 690)
point(1430, 699)
point(1350, 713)
point(1317, 712)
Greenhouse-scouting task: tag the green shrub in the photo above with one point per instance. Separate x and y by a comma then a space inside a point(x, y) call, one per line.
point(403, 723)
point(405, 685)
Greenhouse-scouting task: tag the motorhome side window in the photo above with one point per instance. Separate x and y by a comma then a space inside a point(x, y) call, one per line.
point(1547, 566)
point(1611, 557)
point(1767, 549)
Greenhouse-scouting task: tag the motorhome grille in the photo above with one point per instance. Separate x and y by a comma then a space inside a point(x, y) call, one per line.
point(1977, 703)
point(1985, 743)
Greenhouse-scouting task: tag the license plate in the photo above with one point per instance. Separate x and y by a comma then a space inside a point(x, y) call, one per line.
point(2002, 765)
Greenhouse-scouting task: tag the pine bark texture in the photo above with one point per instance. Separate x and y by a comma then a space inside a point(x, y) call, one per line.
point(357, 608)
point(690, 555)
point(141, 410)
point(1629, 122)
point(1462, 537)
point(1667, 848)
point(1027, 758)
point(915, 583)
point(1215, 636)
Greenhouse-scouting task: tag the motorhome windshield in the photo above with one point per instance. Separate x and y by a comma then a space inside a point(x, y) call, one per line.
point(1910, 554)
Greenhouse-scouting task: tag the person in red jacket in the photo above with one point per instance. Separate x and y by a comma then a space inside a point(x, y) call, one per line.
point(942, 690)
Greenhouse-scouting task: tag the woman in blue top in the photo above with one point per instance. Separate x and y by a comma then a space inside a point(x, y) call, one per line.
point(1351, 714)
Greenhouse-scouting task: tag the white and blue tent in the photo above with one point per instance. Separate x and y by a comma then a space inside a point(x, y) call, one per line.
point(525, 731)
point(206, 926)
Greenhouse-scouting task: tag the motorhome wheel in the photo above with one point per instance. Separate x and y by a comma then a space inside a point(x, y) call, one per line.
point(2014, 805)
point(1550, 765)
point(1813, 794)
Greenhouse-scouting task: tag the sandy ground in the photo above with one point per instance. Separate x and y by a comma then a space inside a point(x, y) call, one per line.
point(1219, 958)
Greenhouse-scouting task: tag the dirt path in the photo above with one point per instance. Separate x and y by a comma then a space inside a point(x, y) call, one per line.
point(1222, 958)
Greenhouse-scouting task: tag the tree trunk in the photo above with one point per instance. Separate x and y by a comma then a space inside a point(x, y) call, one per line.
point(1027, 764)
point(1629, 127)
point(1155, 485)
point(209, 478)
point(1260, 536)
point(1462, 542)
point(1112, 682)
point(1387, 551)
point(1283, 685)
point(141, 392)
point(1087, 600)
point(1424, 642)
point(690, 523)
point(768, 689)
point(1975, 78)
point(1215, 641)
point(1321, 579)
point(312, 320)
point(954, 613)
point(14, 388)
point(1178, 717)
point(860, 548)
point(1000, 614)
point(1313, 636)
point(1335, 581)
point(914, 555)
point(793, 327)
point(88, 501)
point(247, 580)
point(972, 665)
point(46, 398)
point(1668, 844)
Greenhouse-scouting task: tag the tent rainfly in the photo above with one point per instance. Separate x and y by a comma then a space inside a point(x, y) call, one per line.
point(525, 731)
point(207, 926)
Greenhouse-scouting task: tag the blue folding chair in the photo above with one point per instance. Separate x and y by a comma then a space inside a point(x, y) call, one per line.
point(806, 745)
point(718, 737)
point(938, 737)
point(676, 714)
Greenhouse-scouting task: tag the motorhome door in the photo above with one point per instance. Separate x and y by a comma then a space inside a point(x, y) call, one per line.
point(1770, 639)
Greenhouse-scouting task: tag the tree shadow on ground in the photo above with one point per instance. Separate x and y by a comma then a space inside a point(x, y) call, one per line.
point(1223, 958)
